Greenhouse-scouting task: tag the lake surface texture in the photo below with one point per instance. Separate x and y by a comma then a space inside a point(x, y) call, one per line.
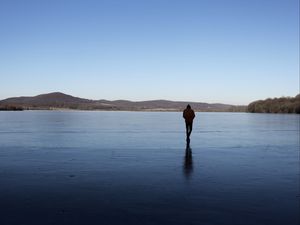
point(77, 167)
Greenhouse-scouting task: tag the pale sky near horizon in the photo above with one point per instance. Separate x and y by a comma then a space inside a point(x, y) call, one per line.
point(226, 51)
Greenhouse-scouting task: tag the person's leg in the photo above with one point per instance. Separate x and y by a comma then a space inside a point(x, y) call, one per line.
point(188, 132)
point(190, 128)
point(187, 129)
point(188, 135)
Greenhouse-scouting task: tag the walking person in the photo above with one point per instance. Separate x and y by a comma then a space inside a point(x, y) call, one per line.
point(188, 115)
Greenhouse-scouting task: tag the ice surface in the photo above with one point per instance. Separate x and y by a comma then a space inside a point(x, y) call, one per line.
point(78, 167)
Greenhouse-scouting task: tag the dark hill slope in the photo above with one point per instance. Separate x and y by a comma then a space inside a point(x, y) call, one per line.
point(59, 100)
point(276, 105)
point(44, 99)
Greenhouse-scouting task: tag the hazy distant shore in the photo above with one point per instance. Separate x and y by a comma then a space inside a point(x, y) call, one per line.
point(60, 101)
point(106, 110)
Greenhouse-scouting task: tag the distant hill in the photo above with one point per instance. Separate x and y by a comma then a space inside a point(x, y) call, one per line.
point(276, 105)
point(59, 100)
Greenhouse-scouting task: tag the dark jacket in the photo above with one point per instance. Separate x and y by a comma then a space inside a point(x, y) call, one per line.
point(188, 115)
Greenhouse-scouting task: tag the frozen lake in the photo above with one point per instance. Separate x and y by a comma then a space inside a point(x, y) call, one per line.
point(79, 167)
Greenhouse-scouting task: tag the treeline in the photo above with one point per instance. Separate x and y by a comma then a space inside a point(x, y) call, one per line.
point(237, 108)
point(276, 105)
point(10, 108)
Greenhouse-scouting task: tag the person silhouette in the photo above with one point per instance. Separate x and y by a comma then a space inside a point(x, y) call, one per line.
point(188, 115)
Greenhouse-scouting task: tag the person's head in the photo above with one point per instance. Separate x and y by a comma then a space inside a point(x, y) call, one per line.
point(188, 106)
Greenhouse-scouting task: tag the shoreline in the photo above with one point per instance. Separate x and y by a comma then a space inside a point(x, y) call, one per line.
point(154, 110)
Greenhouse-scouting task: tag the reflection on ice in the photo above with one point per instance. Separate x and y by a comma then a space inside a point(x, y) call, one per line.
point(188, 162)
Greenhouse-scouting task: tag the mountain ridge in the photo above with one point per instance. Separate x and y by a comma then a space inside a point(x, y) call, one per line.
point(59, 100)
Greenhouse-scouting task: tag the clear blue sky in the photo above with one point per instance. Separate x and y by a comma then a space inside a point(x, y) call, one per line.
point(228, 51)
